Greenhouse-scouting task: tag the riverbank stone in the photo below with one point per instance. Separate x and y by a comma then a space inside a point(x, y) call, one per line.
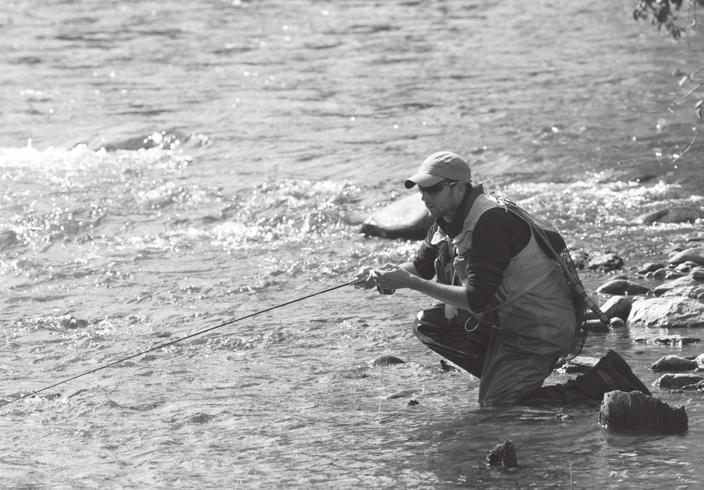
point(605, 262)
point(623, 286)
point(636, 412)
point(618, 306)
point(689, 286)
point(677, 381)
point(407, 218)
point(650, 267)
point(695, 254)
point(673, 363)
point(667, 312)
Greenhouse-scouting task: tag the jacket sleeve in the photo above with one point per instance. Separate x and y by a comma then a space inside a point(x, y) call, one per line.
point(424, 261)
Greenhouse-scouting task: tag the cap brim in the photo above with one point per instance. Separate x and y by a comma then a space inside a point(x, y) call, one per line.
point(423, 180)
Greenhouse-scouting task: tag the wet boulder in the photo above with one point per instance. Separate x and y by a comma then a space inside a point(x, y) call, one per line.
point(650, 267)
point(618, 306)
point(667, 312)
point(503, 456)
point(673, 363)
point(407, 218)
point(622, 286)
point(686, 267)
point(636, 412)
point(700, 361)
point(605, 262)
point(678, 381)
point(688, 286)
point(676, 214)
point(665, 274)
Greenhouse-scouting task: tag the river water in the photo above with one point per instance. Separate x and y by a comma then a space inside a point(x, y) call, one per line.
point(167, 166)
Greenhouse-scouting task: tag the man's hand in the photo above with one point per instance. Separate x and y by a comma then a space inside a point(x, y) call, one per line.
point(365, 280)
point(396, 278)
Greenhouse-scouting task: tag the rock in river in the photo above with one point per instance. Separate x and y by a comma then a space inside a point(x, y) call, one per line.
point(667, 312)
point(406, 218)
point(677, 381)
point(637, 412)
point(387, 361)
point(673, 363)
point(623, 286)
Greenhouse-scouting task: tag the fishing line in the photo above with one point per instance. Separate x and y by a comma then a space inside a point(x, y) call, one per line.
point(180, 339)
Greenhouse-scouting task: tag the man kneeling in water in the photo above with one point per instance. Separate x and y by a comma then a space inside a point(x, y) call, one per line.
point(505, 311)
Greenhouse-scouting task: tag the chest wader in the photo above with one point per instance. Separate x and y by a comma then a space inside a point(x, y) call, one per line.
point(611, 372)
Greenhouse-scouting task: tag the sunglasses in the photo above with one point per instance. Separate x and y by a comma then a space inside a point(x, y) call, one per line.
point(435, 188)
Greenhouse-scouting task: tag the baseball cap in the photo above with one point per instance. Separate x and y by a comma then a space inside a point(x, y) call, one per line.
point(438, 167)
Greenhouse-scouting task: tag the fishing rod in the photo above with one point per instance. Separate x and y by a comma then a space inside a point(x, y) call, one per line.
point(180, 339)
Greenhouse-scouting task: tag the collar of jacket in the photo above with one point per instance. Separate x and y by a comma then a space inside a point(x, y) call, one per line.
point(454, 227)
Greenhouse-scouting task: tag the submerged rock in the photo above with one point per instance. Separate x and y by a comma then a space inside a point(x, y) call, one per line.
point(406, 218)
point(71, 322)
point(387, 361)
point(403, 393)
point(637, 412)
point(503, 455)
point(673, 363)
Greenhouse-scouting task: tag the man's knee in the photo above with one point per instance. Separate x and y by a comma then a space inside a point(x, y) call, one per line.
point(430, 323)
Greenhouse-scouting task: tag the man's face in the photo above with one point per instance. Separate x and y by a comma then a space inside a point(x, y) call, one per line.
point(441, 199)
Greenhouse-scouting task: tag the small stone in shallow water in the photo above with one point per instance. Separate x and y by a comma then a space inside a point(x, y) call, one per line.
point(387, 361)
point(72, 322)
point(616, 322)
point(503, 455)
point(413, 403)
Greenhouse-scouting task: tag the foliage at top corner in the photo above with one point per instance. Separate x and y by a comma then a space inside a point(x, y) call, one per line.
point(663, 13)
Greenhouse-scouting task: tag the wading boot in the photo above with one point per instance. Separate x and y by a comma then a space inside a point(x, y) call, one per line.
point(609, 374)
point(617, 374)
